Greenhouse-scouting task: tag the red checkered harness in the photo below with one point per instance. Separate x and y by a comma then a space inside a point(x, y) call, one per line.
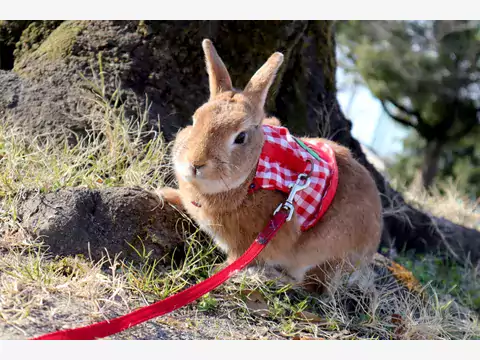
point(283, 158)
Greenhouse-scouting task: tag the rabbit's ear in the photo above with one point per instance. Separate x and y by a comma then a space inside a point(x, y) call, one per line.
point(218, 76)
point(257, 87)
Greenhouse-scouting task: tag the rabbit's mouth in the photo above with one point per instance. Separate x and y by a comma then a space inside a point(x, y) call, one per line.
point(200, 179)
point(188, 172)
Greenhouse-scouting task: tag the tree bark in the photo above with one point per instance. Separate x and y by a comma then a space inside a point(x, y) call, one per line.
point(430, 162)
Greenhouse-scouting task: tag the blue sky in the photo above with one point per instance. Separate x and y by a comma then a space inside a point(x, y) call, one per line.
point(365, 111)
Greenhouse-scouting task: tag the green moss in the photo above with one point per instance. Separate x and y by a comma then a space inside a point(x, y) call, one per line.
point(142, 28)
point(60, 42)
point(56, 46)
point(33, 36)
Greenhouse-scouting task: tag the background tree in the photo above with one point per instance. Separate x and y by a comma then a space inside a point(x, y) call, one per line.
point(428, 72)
point(459, 164)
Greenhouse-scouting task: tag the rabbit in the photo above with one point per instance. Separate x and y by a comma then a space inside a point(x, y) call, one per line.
point(215, 160)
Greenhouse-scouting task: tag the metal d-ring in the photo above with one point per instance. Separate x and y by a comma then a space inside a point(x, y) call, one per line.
point(288, 204)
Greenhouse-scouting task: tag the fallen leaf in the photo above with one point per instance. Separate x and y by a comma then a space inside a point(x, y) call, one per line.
point(309, 316)
point(306, 338)
point(397, 319)
point(255, 302)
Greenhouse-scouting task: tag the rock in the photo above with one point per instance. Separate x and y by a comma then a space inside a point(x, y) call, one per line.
point(82, 221)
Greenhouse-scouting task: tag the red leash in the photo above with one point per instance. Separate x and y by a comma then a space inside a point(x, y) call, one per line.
point(109, 327)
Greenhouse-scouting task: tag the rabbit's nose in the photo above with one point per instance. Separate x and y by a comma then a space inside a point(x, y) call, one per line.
point(197, 167)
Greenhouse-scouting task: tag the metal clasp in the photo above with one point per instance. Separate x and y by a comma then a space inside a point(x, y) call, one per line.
point(288, 204)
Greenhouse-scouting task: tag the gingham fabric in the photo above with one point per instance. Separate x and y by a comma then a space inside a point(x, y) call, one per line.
point(283, 159)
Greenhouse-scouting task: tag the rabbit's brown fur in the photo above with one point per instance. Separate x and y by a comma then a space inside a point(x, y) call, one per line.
point(349, 230)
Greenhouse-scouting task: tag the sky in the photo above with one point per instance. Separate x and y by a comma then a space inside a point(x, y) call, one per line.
point(365, 111)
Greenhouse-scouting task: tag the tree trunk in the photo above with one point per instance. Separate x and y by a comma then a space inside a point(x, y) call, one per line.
point(430, 162)
point(164, 60)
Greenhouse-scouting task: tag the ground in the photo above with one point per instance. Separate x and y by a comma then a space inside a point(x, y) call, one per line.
point(41, 292)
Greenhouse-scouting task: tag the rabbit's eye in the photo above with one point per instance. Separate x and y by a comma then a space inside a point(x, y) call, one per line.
point(240, 139)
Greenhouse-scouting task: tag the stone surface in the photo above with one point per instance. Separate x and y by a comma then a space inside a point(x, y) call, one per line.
point(82, 221)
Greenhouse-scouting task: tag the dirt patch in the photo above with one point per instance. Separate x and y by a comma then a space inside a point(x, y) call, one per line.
point(82, 221)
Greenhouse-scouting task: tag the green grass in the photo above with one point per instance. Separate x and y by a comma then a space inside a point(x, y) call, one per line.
point(449, 279)
point(114, 153)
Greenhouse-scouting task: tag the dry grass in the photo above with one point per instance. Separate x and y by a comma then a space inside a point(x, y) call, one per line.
point(40, 293)
point(449, 279)
point(446, 201)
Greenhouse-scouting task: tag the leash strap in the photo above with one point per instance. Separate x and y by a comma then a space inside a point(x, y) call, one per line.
point(109, 327)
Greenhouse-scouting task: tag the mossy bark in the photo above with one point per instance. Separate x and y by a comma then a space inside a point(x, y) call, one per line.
point(45, 41)
point(33, 36)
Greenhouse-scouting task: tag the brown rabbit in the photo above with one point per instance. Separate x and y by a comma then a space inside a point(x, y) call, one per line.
point(216, 162)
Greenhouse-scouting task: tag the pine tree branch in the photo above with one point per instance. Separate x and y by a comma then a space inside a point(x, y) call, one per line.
point(404, 109)
point(402, 120)
point(465, 131)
